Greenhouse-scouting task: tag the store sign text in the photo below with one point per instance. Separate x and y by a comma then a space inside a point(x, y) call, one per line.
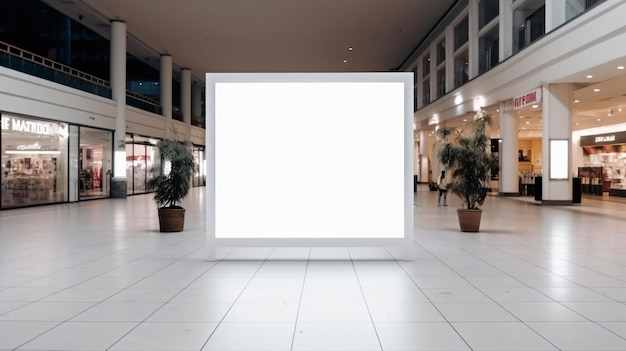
point(528, 98)
point(34, 146)
point(20, 125)
point(604, 139)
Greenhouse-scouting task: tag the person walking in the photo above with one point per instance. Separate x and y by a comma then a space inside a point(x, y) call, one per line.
point(442, 185)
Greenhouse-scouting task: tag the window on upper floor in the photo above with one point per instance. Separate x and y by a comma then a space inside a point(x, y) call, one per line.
point(461, 33)
point(488, 50)
point(441, 82)
point(574, 8)
point(461, 65)
point(426, 65)
point(487, 11)
point(529, 24)
point(441, 51)
point(426, 91)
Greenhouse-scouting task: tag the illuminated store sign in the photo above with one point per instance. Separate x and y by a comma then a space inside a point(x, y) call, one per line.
point(529, 98)
point(16, 124)
point(603, 139)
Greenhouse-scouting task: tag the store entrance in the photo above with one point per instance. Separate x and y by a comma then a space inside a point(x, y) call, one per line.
point(95, 152)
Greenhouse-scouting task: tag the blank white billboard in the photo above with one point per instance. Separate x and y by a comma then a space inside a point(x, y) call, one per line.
point(307, 159)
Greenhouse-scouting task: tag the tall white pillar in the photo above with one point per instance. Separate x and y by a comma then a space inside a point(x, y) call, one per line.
point(472, 52)
point(555, 14)
point(557, 126)
point(118, 94)
point(505, 29)
point(166, 94)
point(185, 103)
point(509, 171)
point(423, 154)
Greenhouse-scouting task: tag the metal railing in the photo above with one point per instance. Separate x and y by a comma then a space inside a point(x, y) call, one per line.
point(21, 60)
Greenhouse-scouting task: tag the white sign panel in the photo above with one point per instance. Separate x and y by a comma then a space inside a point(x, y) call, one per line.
point(307, 159)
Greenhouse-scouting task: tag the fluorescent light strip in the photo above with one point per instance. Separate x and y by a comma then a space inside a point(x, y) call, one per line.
point(30, 152)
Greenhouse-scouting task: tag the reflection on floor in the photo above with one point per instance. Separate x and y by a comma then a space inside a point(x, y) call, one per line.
point(97, 275)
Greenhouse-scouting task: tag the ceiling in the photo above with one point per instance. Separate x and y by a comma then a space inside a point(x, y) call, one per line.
point(313, 36)
point(266, 35)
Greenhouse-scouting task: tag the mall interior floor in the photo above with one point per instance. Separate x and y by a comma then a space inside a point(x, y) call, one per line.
point(98, 275)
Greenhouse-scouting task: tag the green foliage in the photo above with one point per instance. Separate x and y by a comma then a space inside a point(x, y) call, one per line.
point(169, 189)
point(470, 160)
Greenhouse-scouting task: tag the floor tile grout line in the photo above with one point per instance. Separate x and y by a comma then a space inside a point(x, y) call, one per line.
point(367, 307)
point(263, 262)
point(295, 325)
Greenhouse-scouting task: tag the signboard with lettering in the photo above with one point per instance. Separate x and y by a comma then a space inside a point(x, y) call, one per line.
point(17, 124)
point(603, 139)
point(529, 98)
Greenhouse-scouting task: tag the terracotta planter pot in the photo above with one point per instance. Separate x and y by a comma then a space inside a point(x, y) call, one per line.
point(469, 220)
point(171, 219)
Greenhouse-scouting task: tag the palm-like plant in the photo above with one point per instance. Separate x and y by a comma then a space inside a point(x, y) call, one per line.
point(470, 160)
point(172, 180)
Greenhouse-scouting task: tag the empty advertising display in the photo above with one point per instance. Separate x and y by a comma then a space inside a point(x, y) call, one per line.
point(309, 159)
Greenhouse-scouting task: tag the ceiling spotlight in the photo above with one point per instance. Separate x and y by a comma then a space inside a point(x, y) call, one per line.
point(535, 106)
point(345, 61)
point(350, 48)
point(619, 109)
point(596, 90)
point(576, 101)
point(620, 67)
point(610, 113)
point(598, 119)
point(589, 76)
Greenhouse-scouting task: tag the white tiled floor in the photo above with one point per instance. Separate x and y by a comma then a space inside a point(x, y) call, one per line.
point(98, 275)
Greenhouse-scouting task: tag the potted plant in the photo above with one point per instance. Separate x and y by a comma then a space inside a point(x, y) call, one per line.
point(171, 182)
point(471, 162)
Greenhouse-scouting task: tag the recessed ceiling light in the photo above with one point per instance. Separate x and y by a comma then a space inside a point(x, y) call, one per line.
point(464, 119)
point(596, 90)
point(524, 128)
point(577, 123)
point(620, 67)
point(535, 106)
point(345, 61)
point(527, 122)
point(589, 76)
point(598, 119)
point(576, 101)
point(349, 48)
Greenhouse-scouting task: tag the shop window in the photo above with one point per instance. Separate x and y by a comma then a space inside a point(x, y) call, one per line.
point(461, 33)
point(487, 11)
point(95, 161)
point(34, 161)
point(488, 48)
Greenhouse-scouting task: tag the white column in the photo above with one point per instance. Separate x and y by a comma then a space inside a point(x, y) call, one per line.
point(449, 59)
point(472, 52)
point(508, 151)
point(166, 94)
point(118, 94)
point(557, 125)
point(555, 14)
point(185, 103)
point(505, 29)
point(423, 154)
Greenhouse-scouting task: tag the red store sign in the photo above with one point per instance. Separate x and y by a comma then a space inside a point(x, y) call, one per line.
point(529, 98)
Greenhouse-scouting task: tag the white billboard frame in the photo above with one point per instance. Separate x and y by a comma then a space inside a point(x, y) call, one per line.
point(402, 130)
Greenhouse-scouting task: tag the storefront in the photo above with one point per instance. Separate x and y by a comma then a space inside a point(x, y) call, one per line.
point(46, 161)
point(604, 156)
point(142, 155)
